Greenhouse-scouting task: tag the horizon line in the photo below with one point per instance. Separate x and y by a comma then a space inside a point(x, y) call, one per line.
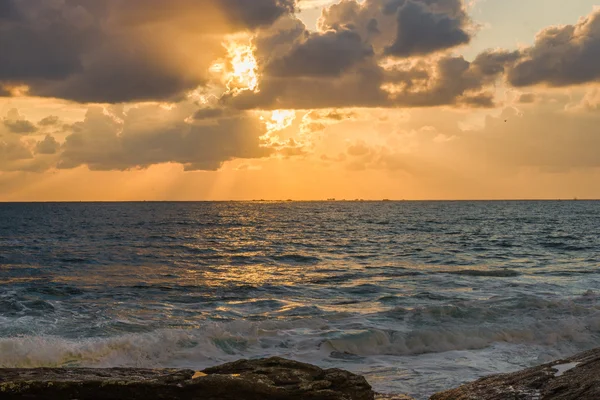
point(292, 201)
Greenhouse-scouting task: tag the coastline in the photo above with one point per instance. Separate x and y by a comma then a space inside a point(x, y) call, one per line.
point(574, 378)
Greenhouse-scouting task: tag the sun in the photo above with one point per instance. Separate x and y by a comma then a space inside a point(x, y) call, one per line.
point(280, 119)
point(239, 71)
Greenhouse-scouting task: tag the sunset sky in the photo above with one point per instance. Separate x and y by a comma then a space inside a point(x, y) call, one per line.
point(272, 99)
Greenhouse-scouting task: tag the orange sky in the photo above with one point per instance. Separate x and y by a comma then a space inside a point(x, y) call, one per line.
point(214, 100)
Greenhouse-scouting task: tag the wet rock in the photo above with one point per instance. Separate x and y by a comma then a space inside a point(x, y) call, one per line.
point(576, 378)
point(392, 397)
point(273, 378)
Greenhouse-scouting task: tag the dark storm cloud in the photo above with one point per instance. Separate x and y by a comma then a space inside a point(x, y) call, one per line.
point(422, 30)
point(447, 80)
point(403, 28)
point(359, 86)
point(121, 72)
point(257, 13)
point(494, 62)
point(561, 56)
point(7, 9)
point(341, 64)
point(346, 63)
point(43, 40)
point(244, 14)
point(118, 51)
point(327, 54)
point(452, 81)
point(103, 143)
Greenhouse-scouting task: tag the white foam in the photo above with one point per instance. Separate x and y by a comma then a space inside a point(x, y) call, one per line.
point(562, 368)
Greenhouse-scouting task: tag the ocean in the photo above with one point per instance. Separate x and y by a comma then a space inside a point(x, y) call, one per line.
point(416, 296)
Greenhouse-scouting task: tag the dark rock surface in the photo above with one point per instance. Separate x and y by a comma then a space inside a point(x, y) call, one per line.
point(273, 378)
point(576, 378)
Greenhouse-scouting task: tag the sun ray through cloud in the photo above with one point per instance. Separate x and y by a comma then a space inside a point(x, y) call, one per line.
point(277, 122)
point(240, 70)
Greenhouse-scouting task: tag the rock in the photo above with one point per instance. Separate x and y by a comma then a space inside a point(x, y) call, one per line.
point(273, 378)
point(576, 378)
point(392, 397)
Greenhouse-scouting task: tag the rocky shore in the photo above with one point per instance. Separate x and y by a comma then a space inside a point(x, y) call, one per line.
point(576, 378)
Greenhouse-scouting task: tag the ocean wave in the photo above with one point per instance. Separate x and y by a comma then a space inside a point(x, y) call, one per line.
point(564, 246)
point(206, 345)
point(497, 310)
point(398, 272)
point(568, 272)
point(55, 290)
point(424, 330)
point(500, 273)
point(365, 288)
point(296, 259)
point(331, 279)
point(441, 339)
point(431, 296)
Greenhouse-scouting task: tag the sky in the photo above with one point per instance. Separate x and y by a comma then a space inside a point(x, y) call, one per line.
point(114, 100)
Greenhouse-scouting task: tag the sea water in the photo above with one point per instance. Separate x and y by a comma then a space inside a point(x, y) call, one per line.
point(416, 296)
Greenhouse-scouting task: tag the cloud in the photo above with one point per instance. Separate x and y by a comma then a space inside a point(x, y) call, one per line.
point(548, 139)
point(16, 123)
point(347, 62)
point(5, 91)
point(423, 30)
point(150, 135)
point(326, 54)
point(208, 113)
point(363, 157)
point(435, 81)
point(402, 28)
point(358, 149)
point(257, 13)
point(120, 51)
point(113, 51)
point(591, 100)
point(561, 56)
point(20, 126)
point(47, 146)
point(527, 98)
point(16, 155)
point(50, 120)
point(13, 150)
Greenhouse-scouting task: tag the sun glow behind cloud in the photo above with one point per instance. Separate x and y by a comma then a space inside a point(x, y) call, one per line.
point(339, 107)
point(240, 70)
point(279, 120)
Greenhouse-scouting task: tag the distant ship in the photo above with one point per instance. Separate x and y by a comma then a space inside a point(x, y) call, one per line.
point(331, 199)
